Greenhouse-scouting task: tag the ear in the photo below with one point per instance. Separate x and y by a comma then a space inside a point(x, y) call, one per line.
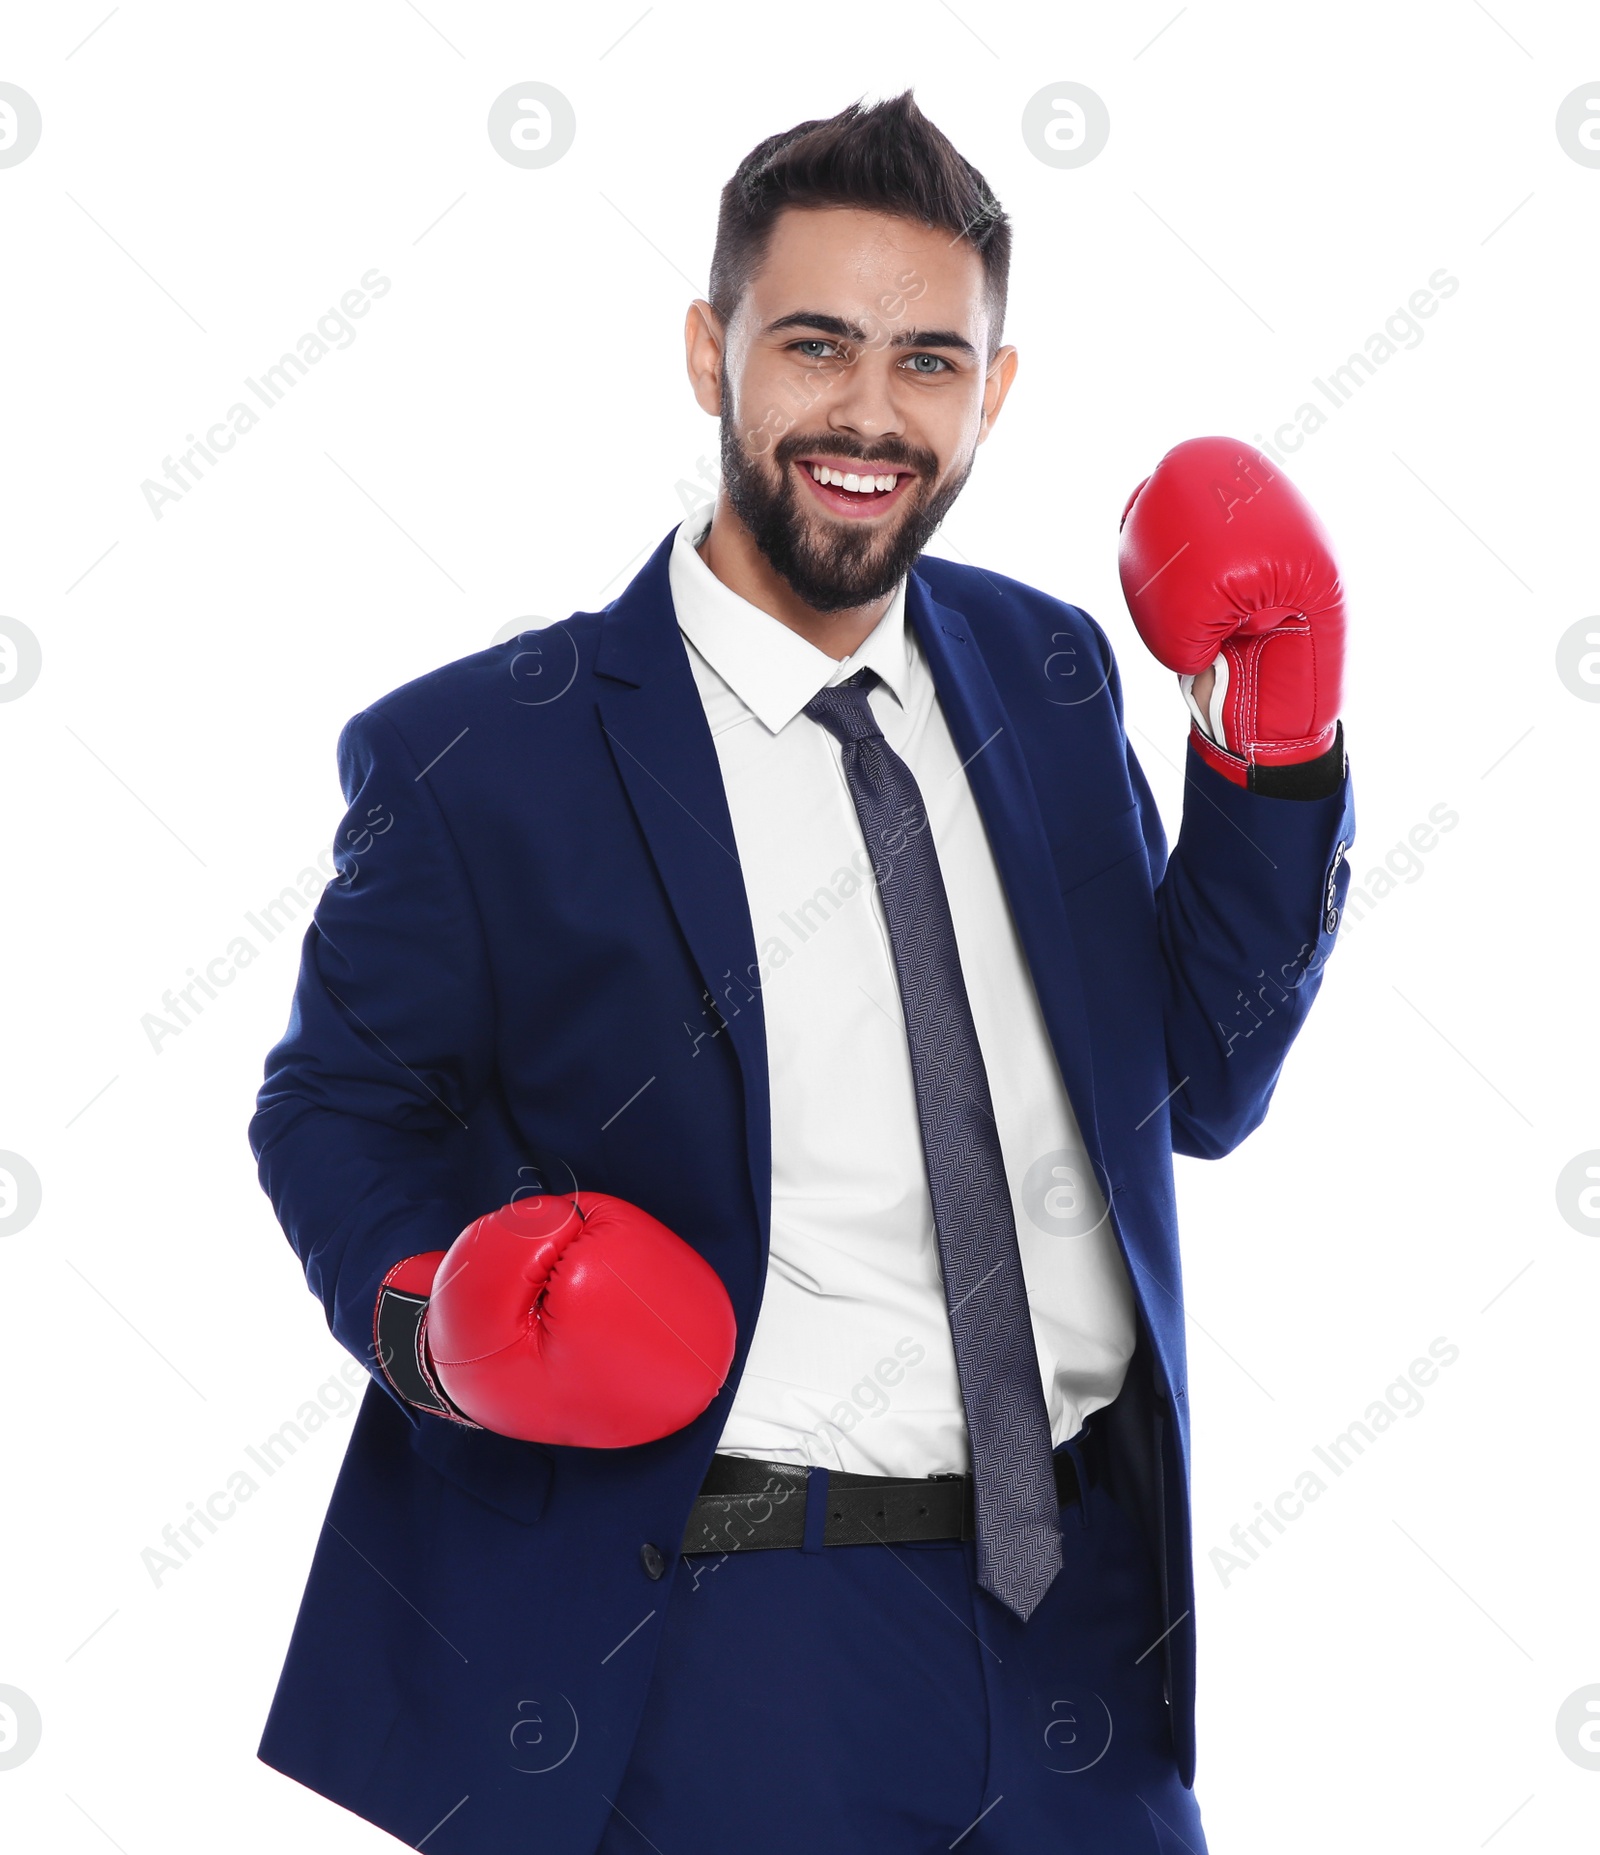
point(703, 338)
point(996, 385)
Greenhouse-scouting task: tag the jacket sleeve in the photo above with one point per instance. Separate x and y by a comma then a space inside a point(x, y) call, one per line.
point(1248, 907)
point(360, 1125)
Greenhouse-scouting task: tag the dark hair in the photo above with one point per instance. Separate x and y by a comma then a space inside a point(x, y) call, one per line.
point(886, 158)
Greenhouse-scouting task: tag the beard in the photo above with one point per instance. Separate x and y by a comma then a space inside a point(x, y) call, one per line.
point(833, 564)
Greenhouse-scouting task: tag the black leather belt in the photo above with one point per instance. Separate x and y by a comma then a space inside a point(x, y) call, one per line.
point(747, 1505)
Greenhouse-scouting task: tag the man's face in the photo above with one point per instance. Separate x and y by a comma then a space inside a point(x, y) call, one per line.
point(858, 352)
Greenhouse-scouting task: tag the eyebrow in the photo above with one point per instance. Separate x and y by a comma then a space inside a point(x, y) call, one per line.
point(848, 331)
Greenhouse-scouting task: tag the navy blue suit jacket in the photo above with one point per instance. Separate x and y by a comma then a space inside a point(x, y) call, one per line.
point(537, 970)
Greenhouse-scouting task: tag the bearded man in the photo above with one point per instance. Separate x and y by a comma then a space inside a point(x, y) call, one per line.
point(730, 1103)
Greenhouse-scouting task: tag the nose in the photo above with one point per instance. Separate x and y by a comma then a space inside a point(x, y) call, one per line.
point(863, 402)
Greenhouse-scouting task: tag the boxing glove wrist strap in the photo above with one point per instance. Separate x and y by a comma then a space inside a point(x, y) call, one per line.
point(400, 1338)
point(1319, 778)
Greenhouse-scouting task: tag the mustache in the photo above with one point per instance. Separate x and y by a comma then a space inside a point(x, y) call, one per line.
point(893, 454)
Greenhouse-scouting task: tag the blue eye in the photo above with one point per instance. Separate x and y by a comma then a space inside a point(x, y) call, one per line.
point(938, 360)
point(813, 341)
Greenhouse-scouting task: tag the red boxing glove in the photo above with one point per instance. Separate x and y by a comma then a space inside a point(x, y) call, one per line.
point(561, 1318)
point(1224, 563)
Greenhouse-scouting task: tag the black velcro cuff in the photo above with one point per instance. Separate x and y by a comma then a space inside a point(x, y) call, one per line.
point(403, 1354)
point(1305, 779)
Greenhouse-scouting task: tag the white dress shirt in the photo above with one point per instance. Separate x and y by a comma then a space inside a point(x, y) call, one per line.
point(852, 1365)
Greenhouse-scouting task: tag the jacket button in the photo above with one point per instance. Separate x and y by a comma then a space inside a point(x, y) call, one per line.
point(650, 1558)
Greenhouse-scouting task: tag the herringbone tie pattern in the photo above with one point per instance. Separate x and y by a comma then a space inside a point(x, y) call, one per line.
point(1018, 1525)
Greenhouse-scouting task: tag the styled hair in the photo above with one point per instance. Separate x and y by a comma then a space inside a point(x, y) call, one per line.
point(883, 157)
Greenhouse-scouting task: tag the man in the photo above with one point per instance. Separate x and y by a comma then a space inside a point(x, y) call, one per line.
point(797, 1459)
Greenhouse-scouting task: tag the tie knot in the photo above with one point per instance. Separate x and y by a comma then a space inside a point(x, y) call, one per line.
point(843, 709)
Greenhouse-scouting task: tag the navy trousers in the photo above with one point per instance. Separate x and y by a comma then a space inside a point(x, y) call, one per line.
point(873, 1700)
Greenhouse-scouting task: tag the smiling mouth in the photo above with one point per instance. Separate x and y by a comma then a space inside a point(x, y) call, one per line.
point(843, 487)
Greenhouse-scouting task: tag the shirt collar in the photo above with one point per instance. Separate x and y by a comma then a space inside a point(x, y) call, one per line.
point(774, 671)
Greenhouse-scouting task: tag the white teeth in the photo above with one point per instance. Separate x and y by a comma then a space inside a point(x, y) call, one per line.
point(861, 485)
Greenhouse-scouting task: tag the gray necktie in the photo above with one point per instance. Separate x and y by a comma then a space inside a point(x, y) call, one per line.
point(1018, 1515)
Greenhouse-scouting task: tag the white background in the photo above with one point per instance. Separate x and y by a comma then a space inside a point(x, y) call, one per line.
point(503, 439)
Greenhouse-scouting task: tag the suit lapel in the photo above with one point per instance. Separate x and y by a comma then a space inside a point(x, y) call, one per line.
point(656, 733)
point(1009, 807)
